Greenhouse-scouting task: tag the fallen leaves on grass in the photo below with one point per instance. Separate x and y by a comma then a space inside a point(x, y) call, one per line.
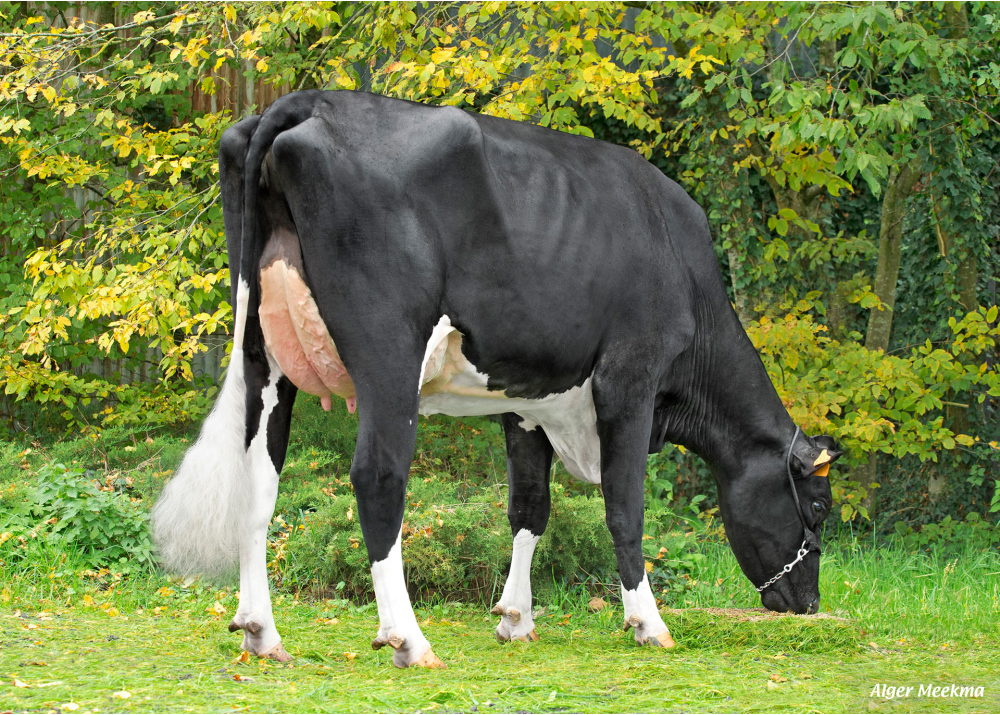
point(350, 656)
point(243, 657)
point(328, 621)
point(121, 694)
point(69, 706)
point(20, 684)
point(597, 604)
point(216, 608)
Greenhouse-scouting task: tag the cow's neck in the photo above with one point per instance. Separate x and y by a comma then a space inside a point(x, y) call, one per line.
point(725, 407)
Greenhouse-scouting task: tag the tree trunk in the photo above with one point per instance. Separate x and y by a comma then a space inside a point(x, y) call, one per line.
point(890, 243)
point(837, 312)
point(901, 182)
point(968, 278)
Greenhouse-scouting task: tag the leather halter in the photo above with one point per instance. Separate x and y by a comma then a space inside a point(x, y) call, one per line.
point(811, 540)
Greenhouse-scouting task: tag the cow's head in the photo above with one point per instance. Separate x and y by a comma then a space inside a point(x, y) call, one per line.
point(764, 528)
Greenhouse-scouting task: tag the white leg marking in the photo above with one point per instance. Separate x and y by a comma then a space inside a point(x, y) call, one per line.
point(397, 623)
point(260, 636)
point(514, 609)
point(642, 614)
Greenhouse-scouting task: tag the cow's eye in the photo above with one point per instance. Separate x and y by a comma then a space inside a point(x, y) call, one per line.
point(818, 506)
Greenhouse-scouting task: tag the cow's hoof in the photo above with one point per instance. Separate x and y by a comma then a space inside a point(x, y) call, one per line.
point(277, 653)
point(505, 635)
point(402, 656)
point(427, 660)
point(661, 641)
point(255, 644)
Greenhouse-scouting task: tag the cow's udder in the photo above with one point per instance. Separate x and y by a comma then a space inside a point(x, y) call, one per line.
point(294, 331)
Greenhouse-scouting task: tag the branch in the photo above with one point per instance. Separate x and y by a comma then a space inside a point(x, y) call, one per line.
point(97, 190)
point(810, 194)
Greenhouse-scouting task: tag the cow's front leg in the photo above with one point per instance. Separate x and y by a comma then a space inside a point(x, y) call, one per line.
point(624, 419)
point(529, 457)
point(386, 436)
point(270, 397)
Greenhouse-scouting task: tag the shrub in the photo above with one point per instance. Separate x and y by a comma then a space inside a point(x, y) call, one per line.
point(974, 532)
point(456, 543)
point(106, 527)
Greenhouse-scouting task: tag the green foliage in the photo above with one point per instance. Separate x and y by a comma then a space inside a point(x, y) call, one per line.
point(973, 532)
point(69, 512)
point(869, 400)
point(791, 124)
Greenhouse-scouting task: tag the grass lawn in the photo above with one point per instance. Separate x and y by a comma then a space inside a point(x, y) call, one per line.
point(167, 647)
point(74, 637)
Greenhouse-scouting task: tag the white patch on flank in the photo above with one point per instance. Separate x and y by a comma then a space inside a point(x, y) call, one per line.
point(517, 591)
point(395, 614)
point(255, 597)
point(641, 612)
point(451, 385)
point(434, 354)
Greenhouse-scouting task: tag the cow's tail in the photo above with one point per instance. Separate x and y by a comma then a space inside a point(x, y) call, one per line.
point(200, 519)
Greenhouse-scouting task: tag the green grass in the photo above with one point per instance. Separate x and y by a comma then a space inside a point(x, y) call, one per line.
point(902, 619)
point(77, 634)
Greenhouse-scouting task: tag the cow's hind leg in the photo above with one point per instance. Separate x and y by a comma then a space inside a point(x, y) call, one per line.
point(529, 457)
point(270, 397)
point(624, 418)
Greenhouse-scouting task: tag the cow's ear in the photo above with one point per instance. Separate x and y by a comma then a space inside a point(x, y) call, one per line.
point(813, 456)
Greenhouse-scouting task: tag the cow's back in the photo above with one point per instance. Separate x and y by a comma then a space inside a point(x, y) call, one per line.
point(542, 248)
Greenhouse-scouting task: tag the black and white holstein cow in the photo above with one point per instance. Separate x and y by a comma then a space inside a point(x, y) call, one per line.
point(418, 260)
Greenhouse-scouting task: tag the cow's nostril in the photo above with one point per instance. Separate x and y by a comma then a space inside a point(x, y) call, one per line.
point(813, 607)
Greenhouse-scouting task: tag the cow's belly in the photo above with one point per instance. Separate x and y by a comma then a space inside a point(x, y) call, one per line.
point(451, 385)
point(296, 336)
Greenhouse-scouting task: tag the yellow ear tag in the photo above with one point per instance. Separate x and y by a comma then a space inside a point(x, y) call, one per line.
point(822, 471)
point(822, 458)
